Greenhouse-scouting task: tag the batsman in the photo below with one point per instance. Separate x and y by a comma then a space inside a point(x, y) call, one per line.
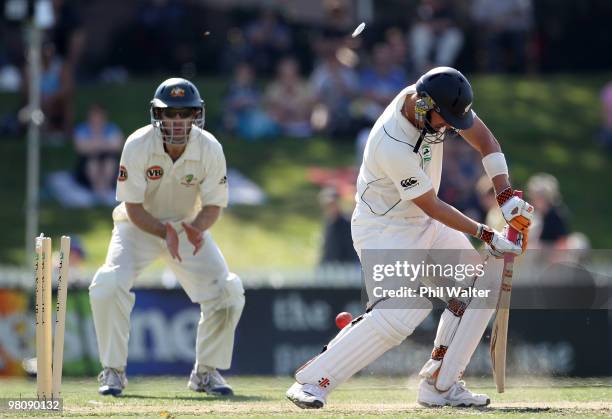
point(172, 185)
point(397, 208)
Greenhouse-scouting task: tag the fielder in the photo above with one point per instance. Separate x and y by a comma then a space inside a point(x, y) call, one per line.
point(397, 208)
point(172, 185)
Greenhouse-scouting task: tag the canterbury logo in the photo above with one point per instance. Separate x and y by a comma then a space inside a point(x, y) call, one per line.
point(410, 182)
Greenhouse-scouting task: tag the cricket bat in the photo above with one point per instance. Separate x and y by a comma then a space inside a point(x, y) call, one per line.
point(499, 335)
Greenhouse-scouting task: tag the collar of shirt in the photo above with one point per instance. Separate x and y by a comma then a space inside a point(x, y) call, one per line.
point(409, 130)
point(192, 150)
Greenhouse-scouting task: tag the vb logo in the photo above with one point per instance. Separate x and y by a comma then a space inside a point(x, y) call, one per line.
point(155, 172)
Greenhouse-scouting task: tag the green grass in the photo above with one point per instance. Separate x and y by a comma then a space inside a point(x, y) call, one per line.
point(544, 124)
point(361, 397)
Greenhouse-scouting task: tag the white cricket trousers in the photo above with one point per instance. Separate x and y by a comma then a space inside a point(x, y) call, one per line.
point(204, 277)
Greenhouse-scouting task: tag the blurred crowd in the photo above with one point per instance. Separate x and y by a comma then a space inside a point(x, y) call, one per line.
point(314, 70)
point(340, 84)
point(284, 78)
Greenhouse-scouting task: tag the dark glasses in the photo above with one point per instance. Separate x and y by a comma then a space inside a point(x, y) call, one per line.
point(180, 112)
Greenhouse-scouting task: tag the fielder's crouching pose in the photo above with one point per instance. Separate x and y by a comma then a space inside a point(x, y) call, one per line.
point(397, 208)
point(172, 185)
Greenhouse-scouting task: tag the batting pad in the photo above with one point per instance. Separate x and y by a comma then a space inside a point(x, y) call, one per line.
point(447, 327)
point(360, 344)
point(470, 329)
point(467, 337)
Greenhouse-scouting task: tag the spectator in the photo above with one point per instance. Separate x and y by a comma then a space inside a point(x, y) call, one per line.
point(235, 49)
point(244, 114)
point(461, 170)
point(11, 58)
point(98, 144)
point(396, 39)
point(504, 28)
point(56, 88)
point(335, 85)
point(486, 197)
point(147, 38)
point(550, 227)
point(605, 135)
point(337, 241)
point(289, 100)
point(338, 17)
point(267, 38)
point(380, 82)
point(330, 35)
point(435, 33)
point(67, 32)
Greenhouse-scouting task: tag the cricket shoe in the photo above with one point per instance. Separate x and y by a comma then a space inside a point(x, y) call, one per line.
point(210, 382)
point(112, 381)
point(458, 395)
point(307, 396)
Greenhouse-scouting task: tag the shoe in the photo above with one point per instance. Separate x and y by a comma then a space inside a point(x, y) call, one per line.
point(112, 381)
point(210, 382)
point(458, 395)
point(306, 396)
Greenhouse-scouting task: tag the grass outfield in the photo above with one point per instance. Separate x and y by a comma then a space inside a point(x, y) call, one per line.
point(360, 397)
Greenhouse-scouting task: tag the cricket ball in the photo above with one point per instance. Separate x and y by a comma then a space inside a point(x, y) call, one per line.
point(343, 319)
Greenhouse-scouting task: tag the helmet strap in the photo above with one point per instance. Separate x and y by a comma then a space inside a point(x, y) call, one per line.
point(417, 146)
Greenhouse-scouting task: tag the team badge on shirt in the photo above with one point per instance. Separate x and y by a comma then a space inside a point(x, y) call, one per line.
point(189, 180)
point(122, 177)
point(427, 152)
point(155, 172)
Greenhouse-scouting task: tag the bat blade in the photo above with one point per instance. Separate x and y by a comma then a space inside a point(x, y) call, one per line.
point(499, 334)
point(499, 341)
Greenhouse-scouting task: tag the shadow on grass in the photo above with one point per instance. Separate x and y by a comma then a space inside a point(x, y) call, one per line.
point(202, 398)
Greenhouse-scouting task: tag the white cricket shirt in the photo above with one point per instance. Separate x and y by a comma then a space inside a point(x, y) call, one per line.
point(171, 191)
point(392, 174)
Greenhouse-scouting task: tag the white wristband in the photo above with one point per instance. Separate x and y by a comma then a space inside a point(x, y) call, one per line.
point(495, 164)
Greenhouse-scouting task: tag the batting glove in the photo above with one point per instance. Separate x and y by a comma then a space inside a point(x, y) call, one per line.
point(516, 211)
point(497, 243)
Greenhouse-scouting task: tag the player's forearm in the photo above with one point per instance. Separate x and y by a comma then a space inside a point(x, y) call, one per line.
point(500, 182)
point(207, 216)
point(483, 140)
point(452, 217)
point(445, 213)
point(142, 219)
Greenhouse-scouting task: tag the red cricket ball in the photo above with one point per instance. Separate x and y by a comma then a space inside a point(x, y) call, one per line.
point(343, 319)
